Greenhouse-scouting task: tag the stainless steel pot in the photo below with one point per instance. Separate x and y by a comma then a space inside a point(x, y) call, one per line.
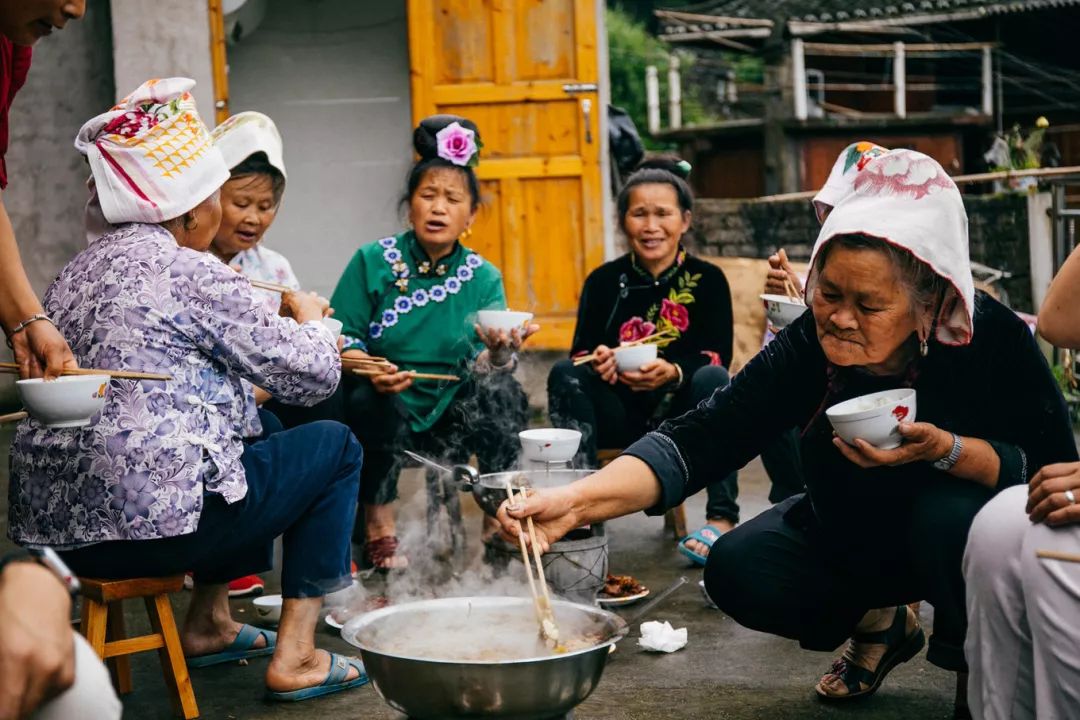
point(490, 489)
point(423, 686)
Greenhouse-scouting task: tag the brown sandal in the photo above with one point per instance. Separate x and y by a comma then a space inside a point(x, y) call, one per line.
point(379, 552)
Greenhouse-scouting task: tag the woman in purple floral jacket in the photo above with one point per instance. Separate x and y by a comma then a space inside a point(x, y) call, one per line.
point(161, 482)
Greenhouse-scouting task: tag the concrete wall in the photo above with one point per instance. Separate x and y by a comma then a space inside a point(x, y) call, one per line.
point(163, 39)
point(336, 83)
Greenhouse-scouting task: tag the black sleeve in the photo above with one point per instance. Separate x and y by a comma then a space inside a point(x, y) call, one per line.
point(716, 329)
point(777, 390)
point(589, 331)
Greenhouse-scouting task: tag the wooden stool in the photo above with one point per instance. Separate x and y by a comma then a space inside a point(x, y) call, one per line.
point(674, 519)
point(103, 626)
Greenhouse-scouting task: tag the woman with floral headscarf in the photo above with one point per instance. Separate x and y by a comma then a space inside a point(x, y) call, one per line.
point(413, 298)
point(891, 304)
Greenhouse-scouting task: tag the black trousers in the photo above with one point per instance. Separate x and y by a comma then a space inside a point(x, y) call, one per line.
point(782, 573)
point(613, 416)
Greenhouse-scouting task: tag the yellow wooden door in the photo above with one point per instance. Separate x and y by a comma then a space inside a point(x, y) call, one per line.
point(525, 71)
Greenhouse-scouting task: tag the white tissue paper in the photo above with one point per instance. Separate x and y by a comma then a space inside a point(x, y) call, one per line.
point(661, 637)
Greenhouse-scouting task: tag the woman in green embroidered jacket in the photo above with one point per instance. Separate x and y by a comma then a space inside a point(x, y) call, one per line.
point(413, 298)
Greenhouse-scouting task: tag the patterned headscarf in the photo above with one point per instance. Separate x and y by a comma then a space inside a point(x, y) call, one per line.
point(841, 181)
point(151, 156)
point(247, 133)
point(906, 199)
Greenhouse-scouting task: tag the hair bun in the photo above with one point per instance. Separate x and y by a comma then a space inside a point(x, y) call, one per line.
point(424, 136)
point(672, 164)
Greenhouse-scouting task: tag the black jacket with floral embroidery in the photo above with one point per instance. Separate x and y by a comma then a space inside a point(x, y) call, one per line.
point(621, 302)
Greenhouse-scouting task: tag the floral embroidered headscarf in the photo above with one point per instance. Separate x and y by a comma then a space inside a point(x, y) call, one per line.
point(841, 181)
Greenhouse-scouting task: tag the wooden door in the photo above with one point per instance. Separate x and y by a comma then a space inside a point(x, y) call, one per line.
point(525, 71)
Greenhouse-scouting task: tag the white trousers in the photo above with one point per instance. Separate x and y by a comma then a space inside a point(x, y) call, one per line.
point(91, 697)
point(1023, 638)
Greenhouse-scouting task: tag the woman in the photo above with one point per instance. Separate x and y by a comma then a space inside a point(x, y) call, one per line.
point(892, 304)
point(413, 298)
point(161, 482)
point(1023, 643)
point(656, 287)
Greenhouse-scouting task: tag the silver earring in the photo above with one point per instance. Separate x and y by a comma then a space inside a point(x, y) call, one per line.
point(924, 348)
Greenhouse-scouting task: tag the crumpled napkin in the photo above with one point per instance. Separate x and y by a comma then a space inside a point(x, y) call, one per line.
point(661, 637)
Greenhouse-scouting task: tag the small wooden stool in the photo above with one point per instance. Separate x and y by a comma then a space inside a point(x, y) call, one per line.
point(674, 519)
point(103, 626)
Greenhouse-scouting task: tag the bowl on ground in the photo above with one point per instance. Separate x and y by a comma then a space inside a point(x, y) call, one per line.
point(630, 358)
point(268, 608)
point(782, 310)
point(874, 418)
point(505, 320)
point(68, 401)
point(549, 444)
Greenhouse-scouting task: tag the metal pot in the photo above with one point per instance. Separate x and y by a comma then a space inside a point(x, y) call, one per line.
point(490, 489)
point(531, 688)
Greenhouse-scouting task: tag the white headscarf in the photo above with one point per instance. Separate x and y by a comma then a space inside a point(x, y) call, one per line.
point(244, 134)
point(151, 156)
point(908, 200)
point(841, 179)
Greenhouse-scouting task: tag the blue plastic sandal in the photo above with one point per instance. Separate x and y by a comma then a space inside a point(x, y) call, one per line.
point(335, 681)
point(706, 536)
point(242, 648)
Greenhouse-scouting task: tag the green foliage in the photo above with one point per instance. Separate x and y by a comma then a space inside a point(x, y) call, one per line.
point(630, 50)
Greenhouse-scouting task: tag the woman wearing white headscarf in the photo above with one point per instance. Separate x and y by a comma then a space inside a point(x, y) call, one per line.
point(892, 304)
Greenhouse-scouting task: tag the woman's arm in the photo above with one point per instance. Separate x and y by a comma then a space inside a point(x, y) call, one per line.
point(1059, 316)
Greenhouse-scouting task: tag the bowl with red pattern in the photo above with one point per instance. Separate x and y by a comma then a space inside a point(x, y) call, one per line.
point(874, 418)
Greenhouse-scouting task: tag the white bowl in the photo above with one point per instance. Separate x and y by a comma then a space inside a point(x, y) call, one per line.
point(632, 357)
point(268, 608)
point(335, 326)
point(782, 310)
point(505, 320)
point(874, 418)
point(66, 402)
point(549, 444)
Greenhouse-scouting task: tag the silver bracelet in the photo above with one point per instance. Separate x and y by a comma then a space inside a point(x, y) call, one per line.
point(26, 323)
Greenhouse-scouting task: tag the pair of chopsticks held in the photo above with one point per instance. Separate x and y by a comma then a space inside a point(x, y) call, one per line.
point(661, 338)
point(13, 369)
point(545, 615)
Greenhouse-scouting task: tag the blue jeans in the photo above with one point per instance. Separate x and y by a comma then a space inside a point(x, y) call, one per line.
point(302, 485)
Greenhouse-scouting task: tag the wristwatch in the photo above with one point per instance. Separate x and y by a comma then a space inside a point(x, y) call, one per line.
point(946, 463)
point(47, 558)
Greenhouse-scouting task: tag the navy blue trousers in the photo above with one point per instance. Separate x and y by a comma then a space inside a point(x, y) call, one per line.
point(302, 485)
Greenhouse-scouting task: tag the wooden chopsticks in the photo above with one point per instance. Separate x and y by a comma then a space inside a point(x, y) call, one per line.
point(273, 287)
point(374, 366)
point(1055, 555)
point(545, 615)
point(373, 372)
point(13, 417)
point(12, 368)
point(662, 337)
point(792, 293)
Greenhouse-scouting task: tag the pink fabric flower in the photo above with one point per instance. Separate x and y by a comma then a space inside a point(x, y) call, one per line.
point(456, 144)
point(676, 314)
point(634, 329)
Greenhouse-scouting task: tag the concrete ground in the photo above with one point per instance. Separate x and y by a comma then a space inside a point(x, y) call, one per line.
point(725, 672)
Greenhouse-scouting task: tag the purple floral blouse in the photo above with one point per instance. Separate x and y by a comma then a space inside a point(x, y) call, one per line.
point(135, 300)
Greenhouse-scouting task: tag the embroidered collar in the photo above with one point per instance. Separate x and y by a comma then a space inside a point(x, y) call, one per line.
point(425, 266)
point(680, 258)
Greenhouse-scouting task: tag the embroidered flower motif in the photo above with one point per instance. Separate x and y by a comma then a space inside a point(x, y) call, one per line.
point(903, 174)
point(400, 269)
point(635, 328)
point(456, 144)
point(676, 314)
point(402, 284)
point(388, 242)
point(441, 270)
point(437, 293)
point(420, 298)
point(473, 260)
point(452, 285)
point(375, 331)
point(403, 305)
point(465, 273)
point(392, 255)
point(389, 318)
point(714, 357)
point(424, 267)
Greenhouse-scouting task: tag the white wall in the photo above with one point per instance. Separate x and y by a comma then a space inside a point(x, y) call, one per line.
point(335, 79)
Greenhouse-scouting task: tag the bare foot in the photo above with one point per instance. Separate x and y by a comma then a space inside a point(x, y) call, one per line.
point(720, 525)
point(206, 637)
point(866, 655)
point(304, 672)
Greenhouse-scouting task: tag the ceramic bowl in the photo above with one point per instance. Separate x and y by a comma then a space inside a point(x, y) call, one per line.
point(874, 418)
point(335, 326)
point(632, 357)
point(782, 310)
point(268, 608)
point(505, 320)
point(66, 402)
point(549, 444)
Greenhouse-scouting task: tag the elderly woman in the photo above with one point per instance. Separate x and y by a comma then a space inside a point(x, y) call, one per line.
point(413, 298)
point(1024, 643)
point(657, 287)
point(161, 482)
point(892, 304)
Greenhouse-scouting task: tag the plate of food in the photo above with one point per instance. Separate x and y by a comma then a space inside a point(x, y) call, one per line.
point(621, 590)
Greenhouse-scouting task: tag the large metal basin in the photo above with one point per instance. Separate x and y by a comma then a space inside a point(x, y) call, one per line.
point(423, 686)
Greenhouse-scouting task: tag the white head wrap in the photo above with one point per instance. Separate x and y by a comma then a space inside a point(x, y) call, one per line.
point(244, 134)
point(841, 179)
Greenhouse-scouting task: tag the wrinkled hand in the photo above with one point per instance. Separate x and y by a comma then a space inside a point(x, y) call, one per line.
point(779, 269)
point(552, 511)
point(40, 350)
point(1046, 495)
point(604, 364)
point(304, 306)
point(653, 375)
point(922, 442)
point(393, 382)
point(501, 345)
point(37, 646)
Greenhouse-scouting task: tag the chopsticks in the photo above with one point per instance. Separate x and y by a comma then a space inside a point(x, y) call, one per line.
point(792, 293)
point(655, 339)
point(1055, 555)
point(273, 287)
point(374, 372)
point(12, 368)
point(13, 417)
point(545, 616)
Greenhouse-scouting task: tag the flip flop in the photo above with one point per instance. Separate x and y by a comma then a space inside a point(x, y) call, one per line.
point(707, 536)
point(242, 648)
point(335, 681)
